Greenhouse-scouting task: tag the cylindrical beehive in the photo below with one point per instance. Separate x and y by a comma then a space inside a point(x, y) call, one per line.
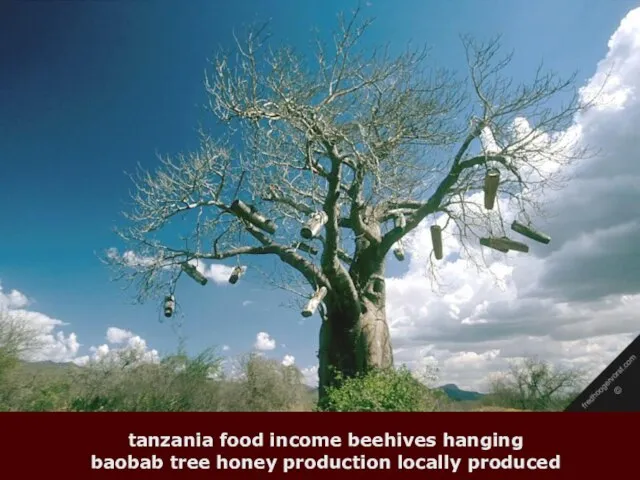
point(436, 241)
point(193, 272)
point(312, 306)
point(398, 251)
point(494, 243)
point(307, 248)
point(169, 305)
point(236, 274)
point(514, 245)
point(252, 216)
point(529, 232)
point(263, 223)
point(313, 226)
point(491, 182)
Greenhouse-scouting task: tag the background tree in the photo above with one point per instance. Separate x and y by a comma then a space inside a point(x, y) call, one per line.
point(534, 384)
point(357, 139)
point(18, 338)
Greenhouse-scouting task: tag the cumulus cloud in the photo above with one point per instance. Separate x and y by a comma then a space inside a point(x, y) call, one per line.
point(122, 346)
point(226, 348)
point(46, 341)
point(117, 335)
point(572, 302)
point(264, 341)
point(310, 375)
point(13, 299)
point(288, 360)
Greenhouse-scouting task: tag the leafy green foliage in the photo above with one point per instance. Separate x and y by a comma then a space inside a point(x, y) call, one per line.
point(266, 385)
point(390, 390)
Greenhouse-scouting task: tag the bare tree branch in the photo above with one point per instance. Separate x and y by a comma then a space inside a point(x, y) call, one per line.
point(363, 136)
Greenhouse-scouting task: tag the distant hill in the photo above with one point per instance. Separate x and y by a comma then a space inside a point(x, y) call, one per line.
point(458, 395)
point(46, 368)
point(48, 365)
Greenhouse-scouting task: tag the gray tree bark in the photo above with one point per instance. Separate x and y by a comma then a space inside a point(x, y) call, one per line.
point(355, 336)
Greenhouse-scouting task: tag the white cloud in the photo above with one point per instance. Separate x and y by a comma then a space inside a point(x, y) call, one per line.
point(572, 302)
point(288, 360)
point(264, 342)
point(216, 272)
point(122, 346)
point(310, 375)
point(51, 343)
point(130, 258)
point(246, 303)
point(13, 299)
point(117, 335)
point(226, 348)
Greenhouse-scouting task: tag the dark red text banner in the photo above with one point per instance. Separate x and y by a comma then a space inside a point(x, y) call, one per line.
point(314, 445)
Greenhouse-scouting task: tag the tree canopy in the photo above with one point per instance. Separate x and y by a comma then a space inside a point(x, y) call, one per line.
point(362, 136)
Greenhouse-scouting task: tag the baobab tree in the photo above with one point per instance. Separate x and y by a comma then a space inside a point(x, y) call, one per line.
point(328, 163)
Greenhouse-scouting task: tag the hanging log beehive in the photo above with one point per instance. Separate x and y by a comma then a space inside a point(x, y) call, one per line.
point(514, 245)
point(236, 273)
point(251, 215)
point(504, 244)
point(193, 272)
point(494, 243)
point(398, 250)
point(491, 182)
point(312, 228)
point(169, 305)
point(529, 232)
point(314, 302)
point(306, 248)
point(436, 241)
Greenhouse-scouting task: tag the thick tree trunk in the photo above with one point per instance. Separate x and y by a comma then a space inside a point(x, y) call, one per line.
point(355, 337)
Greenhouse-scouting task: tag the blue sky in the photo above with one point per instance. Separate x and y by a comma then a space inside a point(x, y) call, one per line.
point(90, 89)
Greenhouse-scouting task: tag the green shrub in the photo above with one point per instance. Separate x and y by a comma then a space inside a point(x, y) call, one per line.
point(178, 383)
point(392, 390)
point(265, 385)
